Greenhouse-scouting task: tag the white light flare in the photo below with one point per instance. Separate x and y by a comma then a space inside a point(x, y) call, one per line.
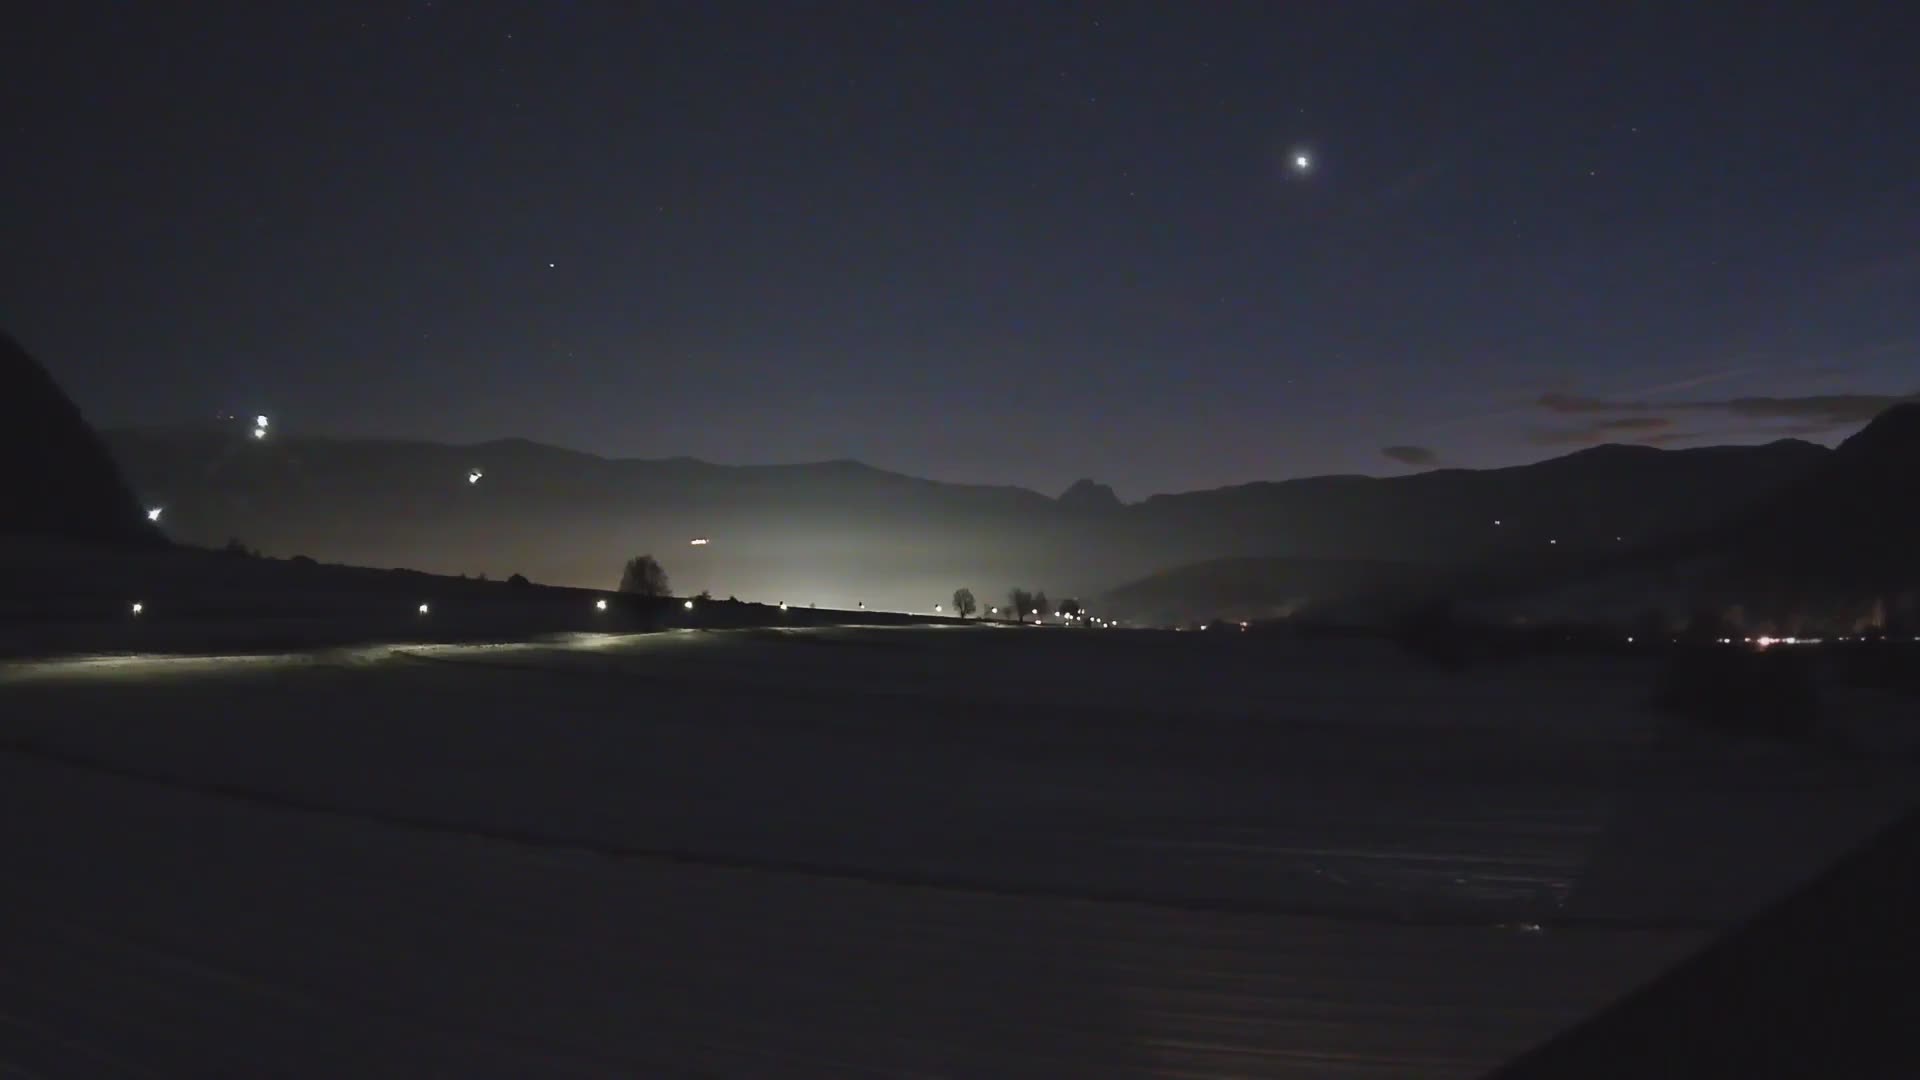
point(259, 433)
point(137, 607)
point(600, 605)
point(698, 541)
point(261, 421)
point(689, 605)
point(153, 513)
point(474, 475)
point(424, 609)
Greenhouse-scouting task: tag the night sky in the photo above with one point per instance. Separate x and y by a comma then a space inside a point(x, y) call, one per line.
point(1017, 243)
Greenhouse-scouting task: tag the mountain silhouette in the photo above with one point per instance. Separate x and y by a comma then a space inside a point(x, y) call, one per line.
point(61, 483)
point(1089, 496)
point(841, 532)
point(1853, 523)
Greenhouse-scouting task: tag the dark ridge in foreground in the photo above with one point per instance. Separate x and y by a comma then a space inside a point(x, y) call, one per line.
point(60, 480)
point(1820, 985)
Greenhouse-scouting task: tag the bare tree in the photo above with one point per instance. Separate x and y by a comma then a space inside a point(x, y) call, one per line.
point(1021, 601)
point(963, 602)
point(1039, 604)
point(1070, 608)
point(644, 577)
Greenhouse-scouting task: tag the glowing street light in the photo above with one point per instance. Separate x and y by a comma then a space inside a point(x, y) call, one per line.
point(937, 609)
point(689, 605)
point(153, 513)
point(600, 604)
point(783, 605)
point(260, 421)
point(137, 607)
point(424, 609)
point(474, 475)
point(259, 433)
point(698, 541)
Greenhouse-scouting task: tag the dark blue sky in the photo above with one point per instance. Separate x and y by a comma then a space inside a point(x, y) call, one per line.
point(1016, 242)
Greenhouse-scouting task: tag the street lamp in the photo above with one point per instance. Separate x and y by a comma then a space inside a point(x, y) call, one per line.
point(137, 607)
point(474, 475)
point(153, 513)
point(600, 604)
point(424, 609)
point(689, 605)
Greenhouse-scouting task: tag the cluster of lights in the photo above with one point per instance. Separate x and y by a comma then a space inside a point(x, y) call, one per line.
point(260, 426)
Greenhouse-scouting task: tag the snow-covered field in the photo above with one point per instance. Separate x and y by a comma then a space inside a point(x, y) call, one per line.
point(931, 852)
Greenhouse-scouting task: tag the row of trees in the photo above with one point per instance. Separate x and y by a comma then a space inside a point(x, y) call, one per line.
point(1020, 603)
point(643, 576)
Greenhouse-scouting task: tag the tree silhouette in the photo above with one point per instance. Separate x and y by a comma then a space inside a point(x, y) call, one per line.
point(644, 577)
point(1070, 608)
point(963, 602)
point(1039, 603)
point(1021, 601)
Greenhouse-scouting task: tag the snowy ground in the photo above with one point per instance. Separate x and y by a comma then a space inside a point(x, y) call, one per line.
point(936, 852)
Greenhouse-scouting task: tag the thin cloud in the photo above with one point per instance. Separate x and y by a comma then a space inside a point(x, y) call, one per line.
point(1417, 456)
point(1644, 429)
point(1815, 410)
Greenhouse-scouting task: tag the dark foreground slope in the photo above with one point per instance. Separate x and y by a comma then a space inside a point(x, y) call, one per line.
point(1821, 985)
point(59, 480)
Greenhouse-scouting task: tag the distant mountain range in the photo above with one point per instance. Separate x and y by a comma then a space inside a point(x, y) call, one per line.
point(839, 533)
